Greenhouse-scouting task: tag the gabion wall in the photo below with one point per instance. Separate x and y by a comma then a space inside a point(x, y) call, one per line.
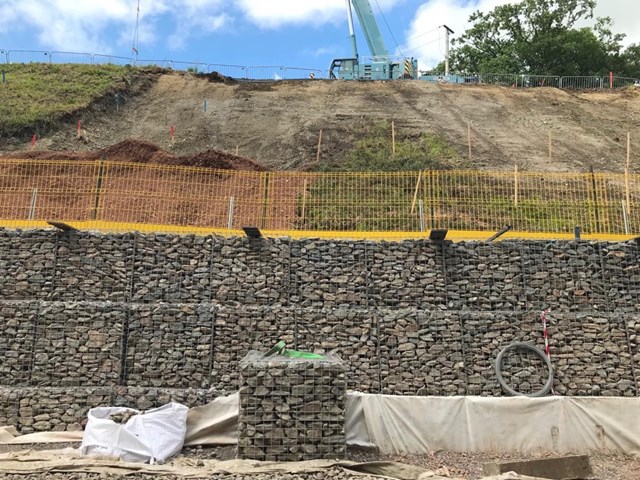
point(291, 409)
point(81, 311)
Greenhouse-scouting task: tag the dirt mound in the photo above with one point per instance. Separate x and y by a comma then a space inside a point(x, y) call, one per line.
point(217, 159)
point(139, 151)
point(136, 151)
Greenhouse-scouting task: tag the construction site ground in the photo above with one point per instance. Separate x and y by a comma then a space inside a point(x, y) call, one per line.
point(466, 466)
point(278, 123)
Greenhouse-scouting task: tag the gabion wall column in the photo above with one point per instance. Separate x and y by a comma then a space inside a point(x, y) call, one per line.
point(291, 409)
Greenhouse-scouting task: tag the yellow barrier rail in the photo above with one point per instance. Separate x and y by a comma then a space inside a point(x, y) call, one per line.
point(382, 205)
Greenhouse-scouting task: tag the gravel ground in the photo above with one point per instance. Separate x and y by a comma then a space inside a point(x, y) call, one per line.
point(458, 465)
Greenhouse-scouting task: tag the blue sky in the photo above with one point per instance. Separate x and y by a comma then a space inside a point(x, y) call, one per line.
point(302, 33)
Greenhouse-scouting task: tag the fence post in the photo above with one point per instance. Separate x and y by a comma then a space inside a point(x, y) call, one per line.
point(626, 173)
point(515, 179)
point(421, 210)
point(265, 200)
point(595, 200)
point(231, 209)
point(99, 179)
point(34, 199)
point(432, 198)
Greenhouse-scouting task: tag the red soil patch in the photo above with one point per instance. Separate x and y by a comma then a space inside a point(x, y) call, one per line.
point(138, 151)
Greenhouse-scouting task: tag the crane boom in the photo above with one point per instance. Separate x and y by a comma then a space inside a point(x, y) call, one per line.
point(370, 29)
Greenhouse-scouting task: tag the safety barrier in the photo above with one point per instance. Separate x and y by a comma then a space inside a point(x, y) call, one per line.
point(187, 199)
point(280, 72)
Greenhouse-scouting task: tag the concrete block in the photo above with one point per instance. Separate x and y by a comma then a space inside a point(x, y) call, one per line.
point(557, 468)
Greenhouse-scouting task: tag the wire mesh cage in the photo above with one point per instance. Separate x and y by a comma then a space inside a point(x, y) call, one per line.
point(291, 409)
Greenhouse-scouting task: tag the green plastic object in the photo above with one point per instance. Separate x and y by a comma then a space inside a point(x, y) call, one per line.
point(280, 349)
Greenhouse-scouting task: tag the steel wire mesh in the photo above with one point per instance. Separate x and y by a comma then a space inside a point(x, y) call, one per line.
point(172, 198)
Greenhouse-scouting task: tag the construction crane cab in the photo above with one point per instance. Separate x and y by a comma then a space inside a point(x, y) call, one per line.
point(381, 66)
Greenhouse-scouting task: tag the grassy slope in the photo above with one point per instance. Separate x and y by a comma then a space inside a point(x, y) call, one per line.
point(38, 94)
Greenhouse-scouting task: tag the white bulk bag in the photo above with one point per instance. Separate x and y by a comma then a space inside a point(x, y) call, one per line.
point(150, 437)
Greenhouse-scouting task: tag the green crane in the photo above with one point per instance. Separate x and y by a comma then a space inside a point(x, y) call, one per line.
point(382, 66)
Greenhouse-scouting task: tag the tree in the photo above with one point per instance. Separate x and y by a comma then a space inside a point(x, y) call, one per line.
point(539, 37)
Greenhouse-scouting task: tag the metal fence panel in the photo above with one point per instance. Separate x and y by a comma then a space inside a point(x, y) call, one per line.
point(153, 63)
point(499, 79)
point(71, 57)
point(3, 56)
point(233, 71)
point(194, 67)
point(112, 60)
point(622, 82)
point(28, 56)
point(268, 72)
point(134, 194)
point(530, 81)
point(583, 83)
point(294, 73)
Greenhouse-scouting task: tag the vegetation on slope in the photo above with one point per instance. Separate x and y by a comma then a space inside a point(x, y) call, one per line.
point(374, 201)
point(374, 152)
point(36, 95)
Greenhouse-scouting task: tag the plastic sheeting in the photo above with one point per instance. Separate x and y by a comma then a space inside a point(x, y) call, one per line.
point(507, 425)
point(68, 460)
point(394, 424)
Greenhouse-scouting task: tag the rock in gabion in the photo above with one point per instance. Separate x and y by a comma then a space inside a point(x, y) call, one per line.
point(246, 272)
point(242, 329)
point(18, 321)
point(143, 398)
point(153, 311)
point(28, 263)
point(78, 344)
point(171, 268)
point(409, 274)
point(170, 346)
point(291, 409)
point(351, 333)
point(328, 274)
point(421, 353)
point(93, 267)
point(58, 409)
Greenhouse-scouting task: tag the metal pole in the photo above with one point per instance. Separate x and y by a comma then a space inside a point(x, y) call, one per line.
point(34, 199)
point(447, 49)
point(231, 208)
point(625, 217)
point(421, 210)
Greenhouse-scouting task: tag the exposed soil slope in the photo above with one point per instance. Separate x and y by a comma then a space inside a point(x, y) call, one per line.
point(279, 123)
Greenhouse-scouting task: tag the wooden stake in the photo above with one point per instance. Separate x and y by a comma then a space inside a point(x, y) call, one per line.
point(304, 200)
point(626, 173)
point(415, 195)
point(628, 149)
point(319, 146)
point(469, 137)
point(550, 147)
point(393, 140)
point(516, 186)
point(237, 150)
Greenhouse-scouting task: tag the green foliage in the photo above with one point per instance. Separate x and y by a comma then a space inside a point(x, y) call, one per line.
point(369, 201)
point(374, 153)
point(540, 37)
point(37, 94)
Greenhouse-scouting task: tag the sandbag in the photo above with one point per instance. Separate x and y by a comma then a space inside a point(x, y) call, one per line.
point(150, 437)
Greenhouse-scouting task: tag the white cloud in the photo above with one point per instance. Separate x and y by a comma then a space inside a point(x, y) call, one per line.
point(276, 13)
point(624, 15)
point(426, 41)
point(84, 25)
